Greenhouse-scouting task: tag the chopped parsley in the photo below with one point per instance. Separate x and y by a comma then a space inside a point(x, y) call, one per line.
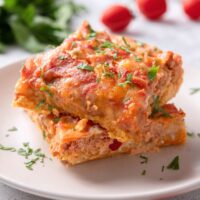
point(128, 81)
point(92, 34)
point(115, 56)
point(137, 59)
point(143, 172)
point(190, 134)
point(13, 129)
point(64, 57)
point(25, 151)
point(32, 156)
point(41, 103)
point(56, 120)
point(98, 50)
point(125, 42)
point(119, 75)
point(125, 48)
point(86, 67)
point(153, 72)
point(47, 90)
point(29, 164)
point(106, 64)
point(157, 109)
point(98, 80)
point(194, 90)
point(44, 134)
point(109, 74)
point(107, 44)
point(4, 148)
point(174, 165)
point(144, 159)
point(140, 44)
point(50, 108)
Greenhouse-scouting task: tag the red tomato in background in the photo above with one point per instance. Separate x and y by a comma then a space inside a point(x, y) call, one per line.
point(152, 9)
point(192, 8)
point(116, 17)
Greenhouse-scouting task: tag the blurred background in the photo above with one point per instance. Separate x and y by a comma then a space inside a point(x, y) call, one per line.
point(174, 30)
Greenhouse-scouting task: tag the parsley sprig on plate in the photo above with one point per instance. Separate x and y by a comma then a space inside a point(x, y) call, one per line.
point(174, 164)
point(32, 156)
point(194, 90)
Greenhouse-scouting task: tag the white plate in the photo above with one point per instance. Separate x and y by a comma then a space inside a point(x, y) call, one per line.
point(114, 178)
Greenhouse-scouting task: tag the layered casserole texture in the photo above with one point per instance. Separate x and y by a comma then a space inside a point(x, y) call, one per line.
point(98, 94)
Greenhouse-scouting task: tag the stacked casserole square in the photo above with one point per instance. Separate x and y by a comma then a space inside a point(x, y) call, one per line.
point(97, 95)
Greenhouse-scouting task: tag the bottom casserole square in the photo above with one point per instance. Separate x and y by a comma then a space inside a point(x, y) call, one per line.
point(75, 140)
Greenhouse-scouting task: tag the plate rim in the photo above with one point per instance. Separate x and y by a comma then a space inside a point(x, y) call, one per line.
point(169, 191)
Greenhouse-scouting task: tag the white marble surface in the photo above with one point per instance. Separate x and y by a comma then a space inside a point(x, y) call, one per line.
point(174, 32)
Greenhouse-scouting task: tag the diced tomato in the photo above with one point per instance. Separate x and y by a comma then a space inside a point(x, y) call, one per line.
point(115, 145)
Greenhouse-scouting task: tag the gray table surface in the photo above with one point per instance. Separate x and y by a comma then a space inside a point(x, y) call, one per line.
point(175, 32)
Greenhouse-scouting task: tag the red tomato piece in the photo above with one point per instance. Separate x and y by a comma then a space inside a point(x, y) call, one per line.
point(192, 8)
point(115, 145)
point(116, 17)
point(152, 9)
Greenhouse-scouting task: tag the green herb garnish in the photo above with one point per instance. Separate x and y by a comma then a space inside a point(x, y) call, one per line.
point(92, 33)
point(100, 51)
point(47, 90)
point(13, 129)
point(119, 75)
point(194, 90)
point(62, 57)
point(107, 44)
point(127, 46)
point(190, 134)
point(56, 120)
point(143, 173)
point(140, 44)
point(86, 67)
point(153, 72)
point(33, 156)
point(50, 108)
point(125, 42)
point(29, 164)
point(157, 109)
point(137, 59)
point(98, 80)
point(174, 165)
point(125, 49)
point(44, 134)
point(4, 148)
point(108, 74)
point(128, 81)
point(144, 159)
point(40, 104)
point(115, 56)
